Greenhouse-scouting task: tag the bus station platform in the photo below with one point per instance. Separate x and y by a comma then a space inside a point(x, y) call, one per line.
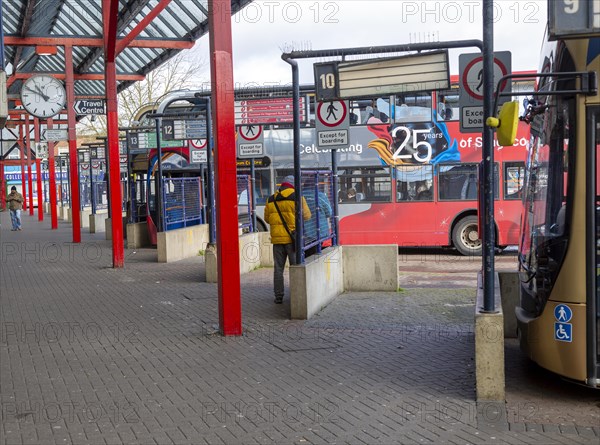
point(95, 355)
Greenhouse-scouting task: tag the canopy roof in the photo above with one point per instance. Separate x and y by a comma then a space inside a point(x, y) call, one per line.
point(161, 29)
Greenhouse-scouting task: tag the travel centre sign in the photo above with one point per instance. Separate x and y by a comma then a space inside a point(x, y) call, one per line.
point(96, 106)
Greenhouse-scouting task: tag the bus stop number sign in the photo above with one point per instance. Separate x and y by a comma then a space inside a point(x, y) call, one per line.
point(326, 81)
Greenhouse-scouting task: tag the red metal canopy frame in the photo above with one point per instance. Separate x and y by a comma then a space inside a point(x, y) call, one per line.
point(219, 23)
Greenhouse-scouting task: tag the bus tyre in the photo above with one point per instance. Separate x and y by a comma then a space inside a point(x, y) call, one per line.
point(262, 227)
point(465, 236)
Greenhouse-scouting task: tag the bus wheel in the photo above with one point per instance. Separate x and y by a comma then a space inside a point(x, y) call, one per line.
point(262, 227)
point(466, 237)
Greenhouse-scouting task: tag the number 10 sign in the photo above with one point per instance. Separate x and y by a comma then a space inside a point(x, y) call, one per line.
point(326, 81)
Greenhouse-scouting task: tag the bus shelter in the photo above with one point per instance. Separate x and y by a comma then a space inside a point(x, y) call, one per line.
point(74, 42)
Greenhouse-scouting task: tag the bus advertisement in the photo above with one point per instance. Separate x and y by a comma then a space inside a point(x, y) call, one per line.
point(429, 199)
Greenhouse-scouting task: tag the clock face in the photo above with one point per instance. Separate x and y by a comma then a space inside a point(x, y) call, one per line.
point(43, 96)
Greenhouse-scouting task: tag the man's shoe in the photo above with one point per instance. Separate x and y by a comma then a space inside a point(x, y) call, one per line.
point(278, 300)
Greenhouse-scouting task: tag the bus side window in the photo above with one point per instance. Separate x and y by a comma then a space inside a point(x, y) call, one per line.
point(447, 105)
point(414, 107)
point(414, 183)
point(367, 184)
point(458, 182)
point(514, 175)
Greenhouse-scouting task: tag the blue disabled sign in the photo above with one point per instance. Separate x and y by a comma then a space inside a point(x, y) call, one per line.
point(563, 332)
point(563, 313)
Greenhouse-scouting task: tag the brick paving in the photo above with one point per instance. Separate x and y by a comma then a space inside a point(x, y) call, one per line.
point(92, 355)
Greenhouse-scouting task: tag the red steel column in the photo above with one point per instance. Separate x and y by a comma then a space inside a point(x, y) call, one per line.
point(52, 181)
point(22, 158)
point(29, 175)
point(110, 13)
point(228, 261)
point(73, 161)
point(40, 193)
point(2, 187)
point(38, 171)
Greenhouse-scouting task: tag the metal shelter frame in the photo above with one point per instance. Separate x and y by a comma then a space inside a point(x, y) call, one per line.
point(99, 48)
point(487, 163)
point(86, 40)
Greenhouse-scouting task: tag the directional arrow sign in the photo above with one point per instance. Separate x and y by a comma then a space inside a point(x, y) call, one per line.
point(89, 106)
point(57, 134)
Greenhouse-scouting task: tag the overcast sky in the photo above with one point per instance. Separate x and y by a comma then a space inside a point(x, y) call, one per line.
point(264, 28)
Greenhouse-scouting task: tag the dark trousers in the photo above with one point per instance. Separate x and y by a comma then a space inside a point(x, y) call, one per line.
point(281, 252)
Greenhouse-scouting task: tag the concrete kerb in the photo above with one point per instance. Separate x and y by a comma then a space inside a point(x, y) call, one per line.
point(187, 242)
point(341, 269)
point(64, 213)
point(323, 277)
point(108, 228)
point(84, 217)
point(314, 284)
point(489, 347)
point(255, 252)
point(97, 222)
point(370, 268)
point(137, 235)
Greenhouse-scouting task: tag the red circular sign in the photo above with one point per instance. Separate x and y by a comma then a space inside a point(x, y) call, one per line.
point(198, 143)
point(250, 132)
point(336, 120)
point(468, 85)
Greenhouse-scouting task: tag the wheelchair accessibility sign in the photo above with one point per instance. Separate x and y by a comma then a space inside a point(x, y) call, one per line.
point(563, 330)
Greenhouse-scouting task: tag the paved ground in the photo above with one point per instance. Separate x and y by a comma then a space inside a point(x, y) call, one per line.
point(89, 354)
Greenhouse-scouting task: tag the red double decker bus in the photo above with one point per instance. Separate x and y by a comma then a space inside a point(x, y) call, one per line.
point(408, 175)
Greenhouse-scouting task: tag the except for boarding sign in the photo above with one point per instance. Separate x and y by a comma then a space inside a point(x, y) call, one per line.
point(250, 141)
point(332, 124)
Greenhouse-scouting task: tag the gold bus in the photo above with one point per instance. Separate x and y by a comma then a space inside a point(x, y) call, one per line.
point(559, 313)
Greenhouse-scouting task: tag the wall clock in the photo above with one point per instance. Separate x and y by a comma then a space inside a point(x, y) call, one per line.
point(43, 96)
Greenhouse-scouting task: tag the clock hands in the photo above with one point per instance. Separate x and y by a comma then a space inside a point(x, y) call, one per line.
point(38, 91)
point(41, 93)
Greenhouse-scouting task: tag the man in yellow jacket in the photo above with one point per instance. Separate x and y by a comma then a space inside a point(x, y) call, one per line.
point(282, 227)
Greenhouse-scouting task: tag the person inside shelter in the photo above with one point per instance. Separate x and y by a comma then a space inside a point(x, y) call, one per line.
point(320, 210)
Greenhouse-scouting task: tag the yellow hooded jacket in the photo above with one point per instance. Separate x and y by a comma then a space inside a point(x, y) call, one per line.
point(287, 206)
